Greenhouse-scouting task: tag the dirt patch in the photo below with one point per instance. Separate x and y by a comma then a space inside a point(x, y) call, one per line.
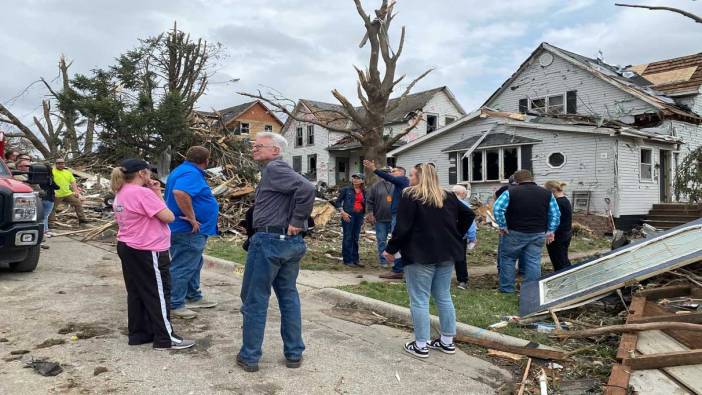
point(99, 370)
point(84, 330)
point(50, 343)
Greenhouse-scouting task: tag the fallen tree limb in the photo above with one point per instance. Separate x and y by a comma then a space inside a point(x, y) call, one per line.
point(528, 350)
point(626, 328)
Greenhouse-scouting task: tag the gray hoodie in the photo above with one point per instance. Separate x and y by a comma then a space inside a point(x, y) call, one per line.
point(377, 200)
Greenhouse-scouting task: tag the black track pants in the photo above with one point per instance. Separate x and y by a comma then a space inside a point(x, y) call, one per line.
point(148, 282)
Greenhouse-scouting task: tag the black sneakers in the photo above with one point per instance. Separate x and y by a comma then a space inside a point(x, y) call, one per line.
point(415, 350)
point(436, 344)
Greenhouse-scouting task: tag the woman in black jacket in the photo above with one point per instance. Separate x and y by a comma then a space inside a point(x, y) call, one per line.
point(558, 248)
point(429, 233)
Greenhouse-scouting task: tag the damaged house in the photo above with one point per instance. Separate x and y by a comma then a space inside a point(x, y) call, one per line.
point(331, 157)
point(245, 119)
point(615, 135)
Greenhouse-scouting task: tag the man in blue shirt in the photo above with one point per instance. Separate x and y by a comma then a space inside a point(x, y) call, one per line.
point(190, 198)
point(400, 181)
point(527, 215)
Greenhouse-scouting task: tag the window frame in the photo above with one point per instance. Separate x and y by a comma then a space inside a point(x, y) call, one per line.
point(446, 119)
point(299, 137)
point(241, 128)
point(548, 162)
point(436, 116)
point(268, 128)
point(310, 170)
point(546, 99)
point(310, 133)
point(483, 152)
point(652, 164)
point(294, 158)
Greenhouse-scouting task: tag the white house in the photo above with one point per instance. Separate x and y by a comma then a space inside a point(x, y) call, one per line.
point(331, 157)
point(606, 131)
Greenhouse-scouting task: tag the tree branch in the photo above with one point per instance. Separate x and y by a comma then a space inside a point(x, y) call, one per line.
point(327, 125)
point(394, 139)
point(690, 15)
point(36, 142)
point(404, 95)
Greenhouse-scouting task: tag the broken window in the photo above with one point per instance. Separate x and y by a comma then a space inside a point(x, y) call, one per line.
point(297, 164)
point(646, 164)
point(432, 123)
point(548, 105)
point(310, 134)
point(298, 137)
point(268, 128)
point(477, 166)
point(511, 161)
point(244, 128)
point(556, 160)
point(492, 164)
point(465, 169)
point(555, 104)
point(449, 120)
point(312, 167)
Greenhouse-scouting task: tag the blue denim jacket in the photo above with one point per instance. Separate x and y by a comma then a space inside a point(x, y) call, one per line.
point(347, 196)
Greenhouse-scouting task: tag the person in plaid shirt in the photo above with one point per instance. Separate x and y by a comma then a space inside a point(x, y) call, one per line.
point(528, 216)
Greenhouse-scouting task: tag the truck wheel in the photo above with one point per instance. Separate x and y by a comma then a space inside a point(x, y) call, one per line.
point(29, 263)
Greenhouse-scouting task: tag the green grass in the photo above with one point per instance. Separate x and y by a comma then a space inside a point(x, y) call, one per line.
point(477, 307)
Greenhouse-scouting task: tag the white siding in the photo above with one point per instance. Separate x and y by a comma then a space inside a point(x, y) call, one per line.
point(440, 105)
point(595, 97)
point(590, 160)
point(321, 142)
point(637, 196)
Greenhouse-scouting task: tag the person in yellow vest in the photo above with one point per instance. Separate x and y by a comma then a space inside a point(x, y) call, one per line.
point(68, 191)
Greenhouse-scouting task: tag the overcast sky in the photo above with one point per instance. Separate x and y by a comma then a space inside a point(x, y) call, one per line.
point(306, 48)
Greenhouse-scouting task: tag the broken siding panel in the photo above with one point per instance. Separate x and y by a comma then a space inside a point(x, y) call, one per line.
point(637, 196)
point(594, 96)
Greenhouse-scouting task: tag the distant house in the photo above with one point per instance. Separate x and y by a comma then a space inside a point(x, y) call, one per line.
point(246, 119)
point(615, 136)
point(331, 157)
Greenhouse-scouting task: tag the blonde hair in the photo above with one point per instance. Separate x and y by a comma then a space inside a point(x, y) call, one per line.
point(554, 185)
point(119, 178)
point(428, 191)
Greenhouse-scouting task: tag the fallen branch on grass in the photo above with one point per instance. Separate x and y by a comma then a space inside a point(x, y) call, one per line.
point(626, 328)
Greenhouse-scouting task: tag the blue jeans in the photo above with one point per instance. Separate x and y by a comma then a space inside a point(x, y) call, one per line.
point(520, 267)
point(47, 207)
point(352, 233)
point(272, 261)
point(397, 266)
point(523, 246)
point(382, 231)
point(435, 281)
point(186, 263)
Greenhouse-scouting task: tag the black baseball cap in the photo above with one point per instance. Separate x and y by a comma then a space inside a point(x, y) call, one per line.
point(134, 165)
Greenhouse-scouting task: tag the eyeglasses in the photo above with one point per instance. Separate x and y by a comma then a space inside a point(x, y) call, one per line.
point(259, 146)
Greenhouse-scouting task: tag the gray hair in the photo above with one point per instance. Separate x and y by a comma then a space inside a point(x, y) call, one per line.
point(459, 189)
point(278, 140)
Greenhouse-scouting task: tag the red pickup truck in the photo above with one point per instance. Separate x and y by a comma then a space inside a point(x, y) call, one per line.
point(21, 227)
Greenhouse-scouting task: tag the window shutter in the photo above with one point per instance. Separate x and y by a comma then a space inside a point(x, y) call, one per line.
point(526, 158)
point(572, 102)
point(452, 171)
point(523, 106)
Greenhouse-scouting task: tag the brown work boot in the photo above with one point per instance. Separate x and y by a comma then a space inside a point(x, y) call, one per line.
point(392, 276)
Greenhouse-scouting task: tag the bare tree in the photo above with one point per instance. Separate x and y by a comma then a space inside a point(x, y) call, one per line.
point(48, 136)
point(690, 15)
point(364, 123)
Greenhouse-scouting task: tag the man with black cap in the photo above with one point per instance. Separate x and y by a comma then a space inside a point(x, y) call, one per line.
point(379, 209)
point(352, 207)
point(143, 240)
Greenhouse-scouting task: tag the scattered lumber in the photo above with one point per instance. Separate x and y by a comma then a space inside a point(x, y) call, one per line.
point(530, 350)
point(524, 377)
point(628, 328)
point(664, 360)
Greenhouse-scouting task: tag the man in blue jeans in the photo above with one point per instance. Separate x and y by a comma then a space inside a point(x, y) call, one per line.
point(527, 215)
point(399, 179)
point(284, 201)
point(378, 204)
point(189, 197)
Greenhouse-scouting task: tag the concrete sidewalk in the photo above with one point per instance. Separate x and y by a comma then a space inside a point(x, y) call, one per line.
point(77, 283)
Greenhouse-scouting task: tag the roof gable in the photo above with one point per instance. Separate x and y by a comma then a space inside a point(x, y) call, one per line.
point(634, 85)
